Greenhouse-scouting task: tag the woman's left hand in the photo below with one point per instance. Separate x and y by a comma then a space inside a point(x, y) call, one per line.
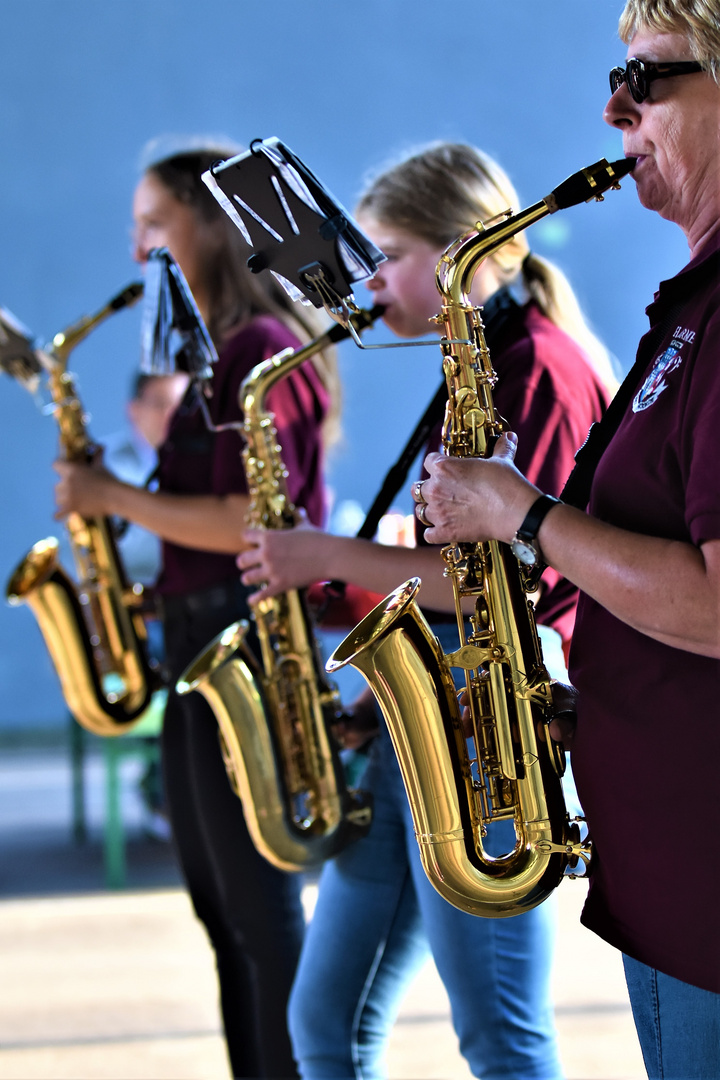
point(562, 725)
point(83, 489)
point(474, 499)
point(281, 559)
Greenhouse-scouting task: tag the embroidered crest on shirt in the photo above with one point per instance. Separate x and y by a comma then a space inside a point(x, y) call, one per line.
point(656, 382)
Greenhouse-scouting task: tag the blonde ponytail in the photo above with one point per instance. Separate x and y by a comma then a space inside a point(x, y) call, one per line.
point(552, 292)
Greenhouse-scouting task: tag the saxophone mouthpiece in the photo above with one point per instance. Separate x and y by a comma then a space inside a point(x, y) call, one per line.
point(127, 296)
point(589, 183)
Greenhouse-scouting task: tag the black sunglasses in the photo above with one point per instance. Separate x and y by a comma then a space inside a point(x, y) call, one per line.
point(639, 74)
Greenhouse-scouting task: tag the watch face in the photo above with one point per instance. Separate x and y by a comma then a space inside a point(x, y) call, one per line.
point(524, 552)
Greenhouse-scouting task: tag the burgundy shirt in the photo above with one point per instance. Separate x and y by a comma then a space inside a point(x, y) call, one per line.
point(646, 755)
point(550, 395)
point(194, 461)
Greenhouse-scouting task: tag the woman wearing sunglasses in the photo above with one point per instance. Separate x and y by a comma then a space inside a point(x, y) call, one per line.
point(645, 658)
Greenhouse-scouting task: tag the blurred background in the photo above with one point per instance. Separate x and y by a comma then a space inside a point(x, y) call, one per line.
point(85, 85)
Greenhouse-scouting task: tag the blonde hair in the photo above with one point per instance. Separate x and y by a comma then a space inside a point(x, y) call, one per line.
point(696, 20)
point(439, 192)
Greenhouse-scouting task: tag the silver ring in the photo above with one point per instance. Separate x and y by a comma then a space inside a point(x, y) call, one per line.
point(417, 492)
point(421, 515)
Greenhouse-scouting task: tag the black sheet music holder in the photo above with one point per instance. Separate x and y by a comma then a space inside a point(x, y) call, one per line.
point(18, 355)
point(295, 227)
point(173, 336)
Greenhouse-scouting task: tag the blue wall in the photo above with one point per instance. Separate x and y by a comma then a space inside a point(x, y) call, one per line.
point(84, 84)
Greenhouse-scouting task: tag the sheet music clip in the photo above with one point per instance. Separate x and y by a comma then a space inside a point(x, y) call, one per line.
point(18, 357)
point(173, 336)
point(297, 230)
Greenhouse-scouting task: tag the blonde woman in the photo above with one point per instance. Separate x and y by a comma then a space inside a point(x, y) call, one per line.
point(377, 914)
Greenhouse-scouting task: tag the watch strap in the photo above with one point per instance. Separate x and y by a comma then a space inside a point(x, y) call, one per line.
point(535, 516)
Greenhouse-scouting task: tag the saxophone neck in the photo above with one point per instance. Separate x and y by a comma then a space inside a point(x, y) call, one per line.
point(458, 265)
point(67, 408)
point(270, 505)
point(262, 378)
point(66, 340)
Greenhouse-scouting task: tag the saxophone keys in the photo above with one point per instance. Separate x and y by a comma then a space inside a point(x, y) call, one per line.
point(468, 657)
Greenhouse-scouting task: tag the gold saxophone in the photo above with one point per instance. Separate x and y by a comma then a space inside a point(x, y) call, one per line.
point(514, 774)
point(274, 717)
point(94, 630)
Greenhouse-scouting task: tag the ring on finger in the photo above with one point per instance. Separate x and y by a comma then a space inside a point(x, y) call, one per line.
point(420, 512)
point(417, 491)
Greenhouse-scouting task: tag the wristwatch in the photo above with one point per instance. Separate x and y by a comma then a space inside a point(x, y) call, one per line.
point(524, 545)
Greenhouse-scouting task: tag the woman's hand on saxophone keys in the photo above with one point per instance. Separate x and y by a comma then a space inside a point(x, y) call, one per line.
point(474, 499)
point(281, 559)
point(84, 489)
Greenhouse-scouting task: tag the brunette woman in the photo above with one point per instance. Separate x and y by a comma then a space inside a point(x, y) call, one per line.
point(252, 911)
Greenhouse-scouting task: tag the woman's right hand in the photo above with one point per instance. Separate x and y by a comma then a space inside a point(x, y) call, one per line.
point(83, 488)
point(282, 559)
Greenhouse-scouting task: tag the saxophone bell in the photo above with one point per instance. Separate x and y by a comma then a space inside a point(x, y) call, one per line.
point(450, 791)
point(93, 630)
point(298, 809)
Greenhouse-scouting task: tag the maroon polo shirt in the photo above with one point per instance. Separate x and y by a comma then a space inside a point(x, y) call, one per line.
point(194, 461)
point(550, 395)
point(646, 755)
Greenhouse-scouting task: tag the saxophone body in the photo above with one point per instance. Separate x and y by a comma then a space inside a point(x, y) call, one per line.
point(93, 629)
point(510, 770)
point(275, 714)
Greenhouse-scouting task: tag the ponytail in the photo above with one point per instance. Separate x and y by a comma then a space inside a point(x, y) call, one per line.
point(550, 289)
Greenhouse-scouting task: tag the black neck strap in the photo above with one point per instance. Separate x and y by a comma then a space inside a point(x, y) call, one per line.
point(577, 488)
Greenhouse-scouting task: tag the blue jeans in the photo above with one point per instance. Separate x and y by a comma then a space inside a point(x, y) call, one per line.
point(376, 917)
point(678, 1025)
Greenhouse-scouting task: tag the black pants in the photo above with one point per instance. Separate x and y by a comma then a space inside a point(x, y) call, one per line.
point(252, 911)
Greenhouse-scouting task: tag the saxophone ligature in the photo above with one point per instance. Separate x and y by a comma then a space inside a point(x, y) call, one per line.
point(94, 630)
point(275, 715)
point(457, 788)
